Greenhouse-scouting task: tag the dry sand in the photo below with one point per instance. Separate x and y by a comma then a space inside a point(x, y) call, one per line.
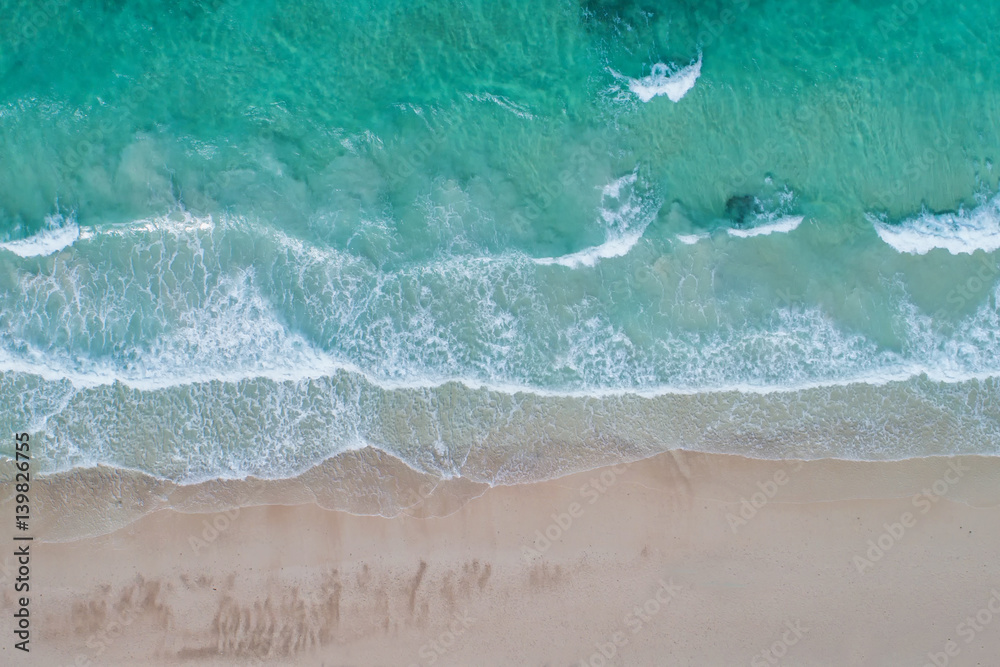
point(654, 564)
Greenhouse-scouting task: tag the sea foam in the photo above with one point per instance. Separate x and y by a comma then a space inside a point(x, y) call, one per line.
point(782, 225)
point(319, 310)
point(58, 235)
point(625, 215)
point(963, 231)
point(691, 239)
point(615, 247)
point(665, 80)
point(373, 362)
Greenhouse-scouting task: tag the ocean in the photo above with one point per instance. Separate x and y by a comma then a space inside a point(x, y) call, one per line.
point(497, 241)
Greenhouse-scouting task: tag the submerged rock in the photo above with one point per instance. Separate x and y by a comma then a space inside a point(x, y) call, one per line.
point(739, 207)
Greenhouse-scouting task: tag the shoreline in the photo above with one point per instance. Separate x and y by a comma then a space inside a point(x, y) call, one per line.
point(735, 555)
point(330, 486)
point(496, 438)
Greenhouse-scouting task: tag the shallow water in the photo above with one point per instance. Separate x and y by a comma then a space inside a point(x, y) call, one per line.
point(501, 242)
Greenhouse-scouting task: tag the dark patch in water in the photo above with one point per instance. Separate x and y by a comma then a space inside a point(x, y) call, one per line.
point(739, 208)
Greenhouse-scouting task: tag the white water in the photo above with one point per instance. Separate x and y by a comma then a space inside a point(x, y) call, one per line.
point(964, 231)
point(780, 226)
point(58, 235)
point(667, 80)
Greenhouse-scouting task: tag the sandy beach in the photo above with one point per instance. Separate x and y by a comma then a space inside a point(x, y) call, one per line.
point(474, 333)
point(682, 559)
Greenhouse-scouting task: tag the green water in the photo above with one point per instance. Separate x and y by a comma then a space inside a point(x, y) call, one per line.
point(240, 237)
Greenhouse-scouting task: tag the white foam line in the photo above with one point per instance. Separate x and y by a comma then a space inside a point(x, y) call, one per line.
point(325, 368)
point(621, 237)
point(691, 239)
point(780, 226)
point(959, 233)
point(617, 247)
point(45, 242)
point(53, 239)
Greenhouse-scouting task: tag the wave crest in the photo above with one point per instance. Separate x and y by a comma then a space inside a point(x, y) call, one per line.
point(960, 232)
point(58, 234)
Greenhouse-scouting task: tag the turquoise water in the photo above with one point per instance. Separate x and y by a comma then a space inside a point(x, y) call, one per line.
point(501, 241)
